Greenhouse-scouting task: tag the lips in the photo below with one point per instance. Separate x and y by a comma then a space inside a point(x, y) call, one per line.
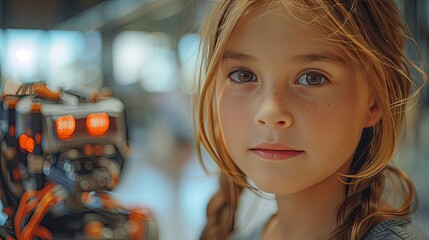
point(275, 151)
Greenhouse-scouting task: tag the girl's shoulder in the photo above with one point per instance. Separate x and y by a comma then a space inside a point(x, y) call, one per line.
point(396, 229)
point(392, 229)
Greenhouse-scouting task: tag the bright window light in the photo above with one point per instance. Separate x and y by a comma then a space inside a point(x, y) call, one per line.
point(63, 59)
point(130, 53)
point(160, 74)
point(188, 55)
point(65, 51)
point(22, 60)
point(145, 58)
point(66, 47)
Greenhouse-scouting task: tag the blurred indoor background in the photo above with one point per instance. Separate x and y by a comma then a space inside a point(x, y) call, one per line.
point(144, 50)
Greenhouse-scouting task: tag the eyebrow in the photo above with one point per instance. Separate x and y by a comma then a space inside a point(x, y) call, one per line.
point(238, 56)
point(305, 58)
point(320, 57)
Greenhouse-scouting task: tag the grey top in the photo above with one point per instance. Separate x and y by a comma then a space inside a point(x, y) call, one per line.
point(396, 229)
point(392, 229)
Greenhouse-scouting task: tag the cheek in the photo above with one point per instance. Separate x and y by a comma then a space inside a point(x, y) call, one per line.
point(334, 124)
point(234, 108)
point(234, 116)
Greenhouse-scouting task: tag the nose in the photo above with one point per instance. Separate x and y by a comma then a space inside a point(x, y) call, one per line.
point(273, 112)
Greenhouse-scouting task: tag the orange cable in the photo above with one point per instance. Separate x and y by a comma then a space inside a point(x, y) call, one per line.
point(108, 201)
point(28, 207)
point(20, 211)
point(43, 233)
point(43, 92)
point(45, 204)
point(136, 219)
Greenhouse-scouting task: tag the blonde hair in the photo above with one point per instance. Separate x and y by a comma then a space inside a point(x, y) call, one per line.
point(371, 34)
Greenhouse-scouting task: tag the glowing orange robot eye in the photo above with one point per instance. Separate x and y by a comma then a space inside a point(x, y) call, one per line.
point(97, 124)
point(26, 143)
point(65, 126)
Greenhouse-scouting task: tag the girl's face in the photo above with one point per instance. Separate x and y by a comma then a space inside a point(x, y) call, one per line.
point(291, 110)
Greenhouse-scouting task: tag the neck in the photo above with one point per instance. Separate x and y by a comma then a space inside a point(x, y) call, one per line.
point(309, 214)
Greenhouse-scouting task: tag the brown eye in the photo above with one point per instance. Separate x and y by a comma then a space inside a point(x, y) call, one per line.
point(313, 79)
point(242, 76)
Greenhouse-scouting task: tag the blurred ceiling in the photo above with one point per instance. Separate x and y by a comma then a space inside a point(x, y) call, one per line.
point(40, 14)
point(84, 15)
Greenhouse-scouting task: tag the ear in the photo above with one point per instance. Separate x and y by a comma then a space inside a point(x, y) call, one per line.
point(374, 112)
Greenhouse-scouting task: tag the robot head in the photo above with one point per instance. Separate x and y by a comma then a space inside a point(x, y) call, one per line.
point(78, 144)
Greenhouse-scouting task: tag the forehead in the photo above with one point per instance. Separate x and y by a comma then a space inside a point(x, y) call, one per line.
point(280, 29)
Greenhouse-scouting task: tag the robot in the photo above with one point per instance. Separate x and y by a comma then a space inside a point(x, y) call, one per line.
point(61, 155)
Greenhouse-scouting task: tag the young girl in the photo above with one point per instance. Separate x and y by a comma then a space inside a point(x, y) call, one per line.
point(306, 99)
